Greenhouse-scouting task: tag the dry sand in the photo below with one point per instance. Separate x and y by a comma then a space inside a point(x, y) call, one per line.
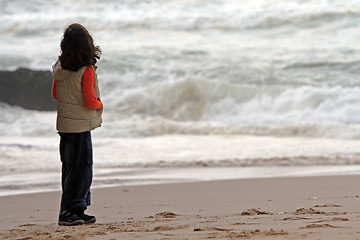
point(274, 208)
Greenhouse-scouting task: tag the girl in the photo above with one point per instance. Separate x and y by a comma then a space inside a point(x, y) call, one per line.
point(79, 109)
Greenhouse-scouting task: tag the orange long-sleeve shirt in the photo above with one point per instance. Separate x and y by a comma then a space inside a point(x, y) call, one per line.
point(87, 81)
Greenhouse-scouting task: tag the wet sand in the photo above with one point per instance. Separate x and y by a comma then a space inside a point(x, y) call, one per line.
point(326, 207)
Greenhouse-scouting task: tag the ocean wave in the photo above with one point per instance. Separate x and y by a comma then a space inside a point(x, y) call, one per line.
point(346, 65)
point(294, 161)
point(137, 126)
point(174, 15)
point(191, 105)
point(193, 99)
point(200, 106)
point(282, 68)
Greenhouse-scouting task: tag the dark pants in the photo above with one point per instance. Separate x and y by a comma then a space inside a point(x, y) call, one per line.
point(77, 174)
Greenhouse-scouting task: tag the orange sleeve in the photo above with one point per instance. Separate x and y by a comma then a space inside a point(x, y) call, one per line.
point(90, 99)
point(53, 90)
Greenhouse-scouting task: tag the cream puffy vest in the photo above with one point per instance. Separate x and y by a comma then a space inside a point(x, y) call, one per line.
point(72, 114)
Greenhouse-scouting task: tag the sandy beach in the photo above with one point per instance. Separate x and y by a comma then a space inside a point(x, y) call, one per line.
point(324, 207)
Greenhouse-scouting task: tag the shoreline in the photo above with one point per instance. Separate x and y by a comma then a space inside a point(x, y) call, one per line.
point(123, 177)
point(317, 207)
point(175, 158)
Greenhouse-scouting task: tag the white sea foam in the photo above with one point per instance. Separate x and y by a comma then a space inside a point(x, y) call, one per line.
point(32, 164)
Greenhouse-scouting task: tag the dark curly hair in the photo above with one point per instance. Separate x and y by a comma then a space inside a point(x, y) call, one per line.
point(77, 48)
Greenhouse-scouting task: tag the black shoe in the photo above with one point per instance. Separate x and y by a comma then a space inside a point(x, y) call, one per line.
point(86, 218)
point(69, 219)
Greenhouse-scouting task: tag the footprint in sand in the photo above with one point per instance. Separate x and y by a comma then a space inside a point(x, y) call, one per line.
point(319, 226)
point(295, 218)
point(332, 220)
point(301, 211)
point(212, 229)
point(327, 205)
point(254, 211)
point(257, 232)
point(168, 228)
point(28, 225)
point(163, 228)
point(164, 215)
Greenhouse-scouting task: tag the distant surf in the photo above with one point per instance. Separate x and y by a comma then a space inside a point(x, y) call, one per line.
point(283, 68)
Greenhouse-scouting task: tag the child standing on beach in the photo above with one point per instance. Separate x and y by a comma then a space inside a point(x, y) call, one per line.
point(79, 110)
